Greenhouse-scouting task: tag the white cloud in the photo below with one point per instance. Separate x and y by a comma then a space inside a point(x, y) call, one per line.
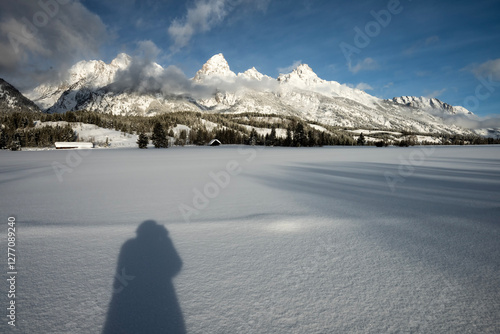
point(389, 85)
point(435, 93)
point(487, 69)
point(290, 68)
point(148, 50)
point(203, 16)
point(473, 122)
point(368, 64)
point(364, 86)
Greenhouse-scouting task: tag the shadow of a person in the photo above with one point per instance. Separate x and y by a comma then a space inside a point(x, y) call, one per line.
point(144, 299)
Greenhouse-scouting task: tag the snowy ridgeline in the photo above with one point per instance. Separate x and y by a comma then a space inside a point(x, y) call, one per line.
point(276, 240)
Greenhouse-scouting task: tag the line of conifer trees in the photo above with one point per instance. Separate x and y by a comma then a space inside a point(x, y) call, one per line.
point(18, 129)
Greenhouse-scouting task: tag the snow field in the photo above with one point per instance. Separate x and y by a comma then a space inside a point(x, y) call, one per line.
point(299, 241)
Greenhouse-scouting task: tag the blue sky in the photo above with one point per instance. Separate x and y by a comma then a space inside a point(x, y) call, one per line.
point(444, 49)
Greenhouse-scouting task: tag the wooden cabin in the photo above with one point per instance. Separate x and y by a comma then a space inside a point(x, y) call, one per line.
point(215, 142)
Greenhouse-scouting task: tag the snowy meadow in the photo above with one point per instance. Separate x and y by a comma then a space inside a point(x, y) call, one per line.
point(253, 240)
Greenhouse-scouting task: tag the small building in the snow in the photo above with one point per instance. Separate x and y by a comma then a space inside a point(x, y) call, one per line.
point(72, 145)
point(215, 142)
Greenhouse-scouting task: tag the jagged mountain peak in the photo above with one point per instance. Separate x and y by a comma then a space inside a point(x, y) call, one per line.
point(218, 59)
point(301, 75)
point(215, 66)
point(98, 70)
point(122, 60)
point(252, 74)
point(304, 69)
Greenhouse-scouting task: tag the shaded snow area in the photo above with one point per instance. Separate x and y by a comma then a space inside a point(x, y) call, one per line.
point(244, 240)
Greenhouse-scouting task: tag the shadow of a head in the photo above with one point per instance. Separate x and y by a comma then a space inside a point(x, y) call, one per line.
point(144, 299)
point(152, 231)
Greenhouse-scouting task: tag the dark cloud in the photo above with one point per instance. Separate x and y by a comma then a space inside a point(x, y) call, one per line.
point(147, 77)
point(40, 39)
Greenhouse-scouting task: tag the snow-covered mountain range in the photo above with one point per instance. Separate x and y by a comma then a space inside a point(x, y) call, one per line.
point(127, 86)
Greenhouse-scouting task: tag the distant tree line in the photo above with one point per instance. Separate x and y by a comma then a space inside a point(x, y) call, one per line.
point(18, 130)
point(298, 134)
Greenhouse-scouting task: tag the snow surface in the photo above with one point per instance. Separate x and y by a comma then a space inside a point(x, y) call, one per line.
point(209, 125)
point(319, 128)
point(280, 133)
point(95, 134)
point(300, 241)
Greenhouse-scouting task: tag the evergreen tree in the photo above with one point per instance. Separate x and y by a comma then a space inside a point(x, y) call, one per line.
point(288, 139)
point(361, 139)
point(183, 137)
point(3, 140)
point(15, 144)
point(272, 137)
point(299, 136)
point(159, 137)
point(311, 139)
point(143, 140)
point(254, 137)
